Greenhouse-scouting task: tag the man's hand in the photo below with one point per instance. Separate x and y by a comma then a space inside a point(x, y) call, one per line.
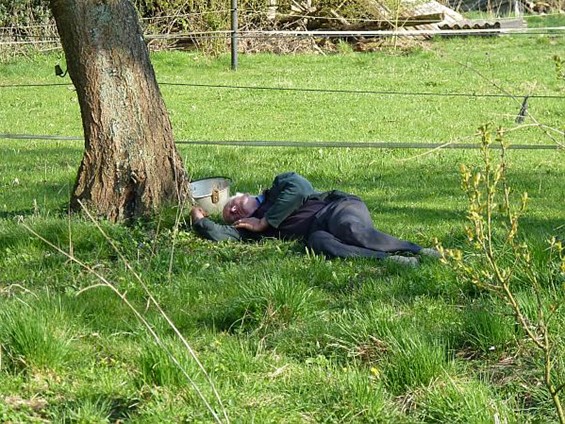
point(255, 225)
point(197, 213)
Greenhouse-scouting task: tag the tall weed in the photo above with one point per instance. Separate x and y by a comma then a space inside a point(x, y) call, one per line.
point(501, 262)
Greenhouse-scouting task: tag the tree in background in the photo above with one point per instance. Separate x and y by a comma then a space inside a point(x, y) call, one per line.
point(130, 166)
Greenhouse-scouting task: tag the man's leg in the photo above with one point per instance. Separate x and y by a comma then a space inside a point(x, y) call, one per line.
point(322, 242)
point(329, 245)
point(351, 223)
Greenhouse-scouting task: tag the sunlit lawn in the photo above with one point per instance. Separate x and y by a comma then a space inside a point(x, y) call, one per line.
point(285, 336)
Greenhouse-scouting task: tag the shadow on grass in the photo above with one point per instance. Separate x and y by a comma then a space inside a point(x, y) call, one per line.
point(16, 213)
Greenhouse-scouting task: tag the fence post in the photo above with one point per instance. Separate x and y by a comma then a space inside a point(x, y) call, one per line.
point(234, 35)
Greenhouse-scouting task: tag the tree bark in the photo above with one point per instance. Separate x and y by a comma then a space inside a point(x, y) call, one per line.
point(130, 166)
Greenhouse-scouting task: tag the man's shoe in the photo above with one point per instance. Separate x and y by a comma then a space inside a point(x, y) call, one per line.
point(404, 260)
point(429, 252)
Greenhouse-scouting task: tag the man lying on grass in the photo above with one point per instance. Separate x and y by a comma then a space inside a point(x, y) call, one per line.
point(332, 223)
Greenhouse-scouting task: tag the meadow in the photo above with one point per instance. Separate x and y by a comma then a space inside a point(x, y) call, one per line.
point(283, 335)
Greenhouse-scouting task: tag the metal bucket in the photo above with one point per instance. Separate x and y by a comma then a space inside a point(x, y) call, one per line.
point(211, 194)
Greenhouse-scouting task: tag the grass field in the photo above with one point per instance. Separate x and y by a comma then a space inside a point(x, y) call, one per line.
point(284, 336)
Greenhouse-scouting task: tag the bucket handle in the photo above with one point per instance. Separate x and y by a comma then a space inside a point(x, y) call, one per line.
point(215, 195)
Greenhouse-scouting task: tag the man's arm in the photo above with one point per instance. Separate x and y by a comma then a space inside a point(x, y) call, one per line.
point(211, 230)
point(288, 193)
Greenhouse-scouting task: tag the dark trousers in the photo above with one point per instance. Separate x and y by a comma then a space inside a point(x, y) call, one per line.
point(345, 229)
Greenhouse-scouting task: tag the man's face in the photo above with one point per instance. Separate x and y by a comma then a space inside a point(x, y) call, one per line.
point(238, 207)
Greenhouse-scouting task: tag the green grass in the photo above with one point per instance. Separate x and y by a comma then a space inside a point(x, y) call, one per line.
point(32, 337)
point(458, 401)
point(285, 336)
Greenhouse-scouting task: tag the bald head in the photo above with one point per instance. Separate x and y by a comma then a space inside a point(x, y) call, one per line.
point(242, 205)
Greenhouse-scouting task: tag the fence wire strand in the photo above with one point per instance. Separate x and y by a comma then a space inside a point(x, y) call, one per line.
point(320, 90)
point(308, 144)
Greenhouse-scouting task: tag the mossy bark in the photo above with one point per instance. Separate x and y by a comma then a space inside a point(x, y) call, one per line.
point(130, 166)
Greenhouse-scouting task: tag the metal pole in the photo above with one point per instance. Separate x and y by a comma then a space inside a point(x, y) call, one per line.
point(234, 35)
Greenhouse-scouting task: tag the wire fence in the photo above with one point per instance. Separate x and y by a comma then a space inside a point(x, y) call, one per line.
point(523, 99)
point(320, 144)
point(274, 34)
point(452, 144)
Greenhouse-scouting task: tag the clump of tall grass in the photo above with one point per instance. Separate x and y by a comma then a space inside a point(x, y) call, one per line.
point(269, 302)
point(33, 337)
point(462, 401)
point(89, 410)
point(341, 394)
point(156, 367)
point(413, 361)
point(397, 353)
point(363, 334)
point(486, 328)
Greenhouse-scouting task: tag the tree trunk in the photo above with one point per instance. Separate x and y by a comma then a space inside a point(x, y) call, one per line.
point(130, 166)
